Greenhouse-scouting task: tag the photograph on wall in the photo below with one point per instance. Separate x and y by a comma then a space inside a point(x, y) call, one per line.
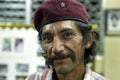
point(40, 68)
point(20, 77)
point(3, 68)
point(6, 45)
point(113, 22)
point(19, 45)
point(2, 78)
point(22, 67)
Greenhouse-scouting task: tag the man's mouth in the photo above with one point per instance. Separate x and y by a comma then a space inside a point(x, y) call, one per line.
point(60, 60)
point(60, 57)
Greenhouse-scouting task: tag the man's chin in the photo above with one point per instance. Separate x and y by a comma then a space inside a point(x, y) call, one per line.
point(63, 69)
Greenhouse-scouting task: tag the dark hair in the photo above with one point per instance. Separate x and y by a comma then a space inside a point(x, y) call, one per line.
point(85, 29)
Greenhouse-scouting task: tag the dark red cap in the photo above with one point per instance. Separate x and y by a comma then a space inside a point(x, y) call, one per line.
point(55, 10)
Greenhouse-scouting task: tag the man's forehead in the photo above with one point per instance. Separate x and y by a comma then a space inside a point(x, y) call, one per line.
point(59, 25)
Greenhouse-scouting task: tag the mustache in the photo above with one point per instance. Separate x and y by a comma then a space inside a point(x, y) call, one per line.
point(57, 56)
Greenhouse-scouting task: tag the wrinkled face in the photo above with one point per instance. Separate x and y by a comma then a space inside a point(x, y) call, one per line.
point(63, 44)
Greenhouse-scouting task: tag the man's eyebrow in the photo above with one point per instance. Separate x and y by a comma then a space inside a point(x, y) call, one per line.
point(66, 29)
point(45, 33)
point(61, 31)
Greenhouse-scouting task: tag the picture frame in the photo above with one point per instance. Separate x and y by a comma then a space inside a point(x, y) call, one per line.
point(19, 45)
point(2, 77)
point(3, 68)
point(21, 77)
point(112, 22)
point(23, 68)
point(6, 45)
point(40, 68)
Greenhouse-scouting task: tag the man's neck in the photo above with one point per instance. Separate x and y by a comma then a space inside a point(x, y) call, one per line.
point(77, 74)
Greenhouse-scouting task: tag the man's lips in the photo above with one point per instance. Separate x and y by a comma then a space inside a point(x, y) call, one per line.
point(60, 60)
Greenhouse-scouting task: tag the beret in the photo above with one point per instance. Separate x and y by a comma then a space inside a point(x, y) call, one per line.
point(55, 10)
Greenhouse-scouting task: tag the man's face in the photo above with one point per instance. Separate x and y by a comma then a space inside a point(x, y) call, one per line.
point(63, 44)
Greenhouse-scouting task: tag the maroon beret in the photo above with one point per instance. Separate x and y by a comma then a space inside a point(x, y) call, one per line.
point(55, 10)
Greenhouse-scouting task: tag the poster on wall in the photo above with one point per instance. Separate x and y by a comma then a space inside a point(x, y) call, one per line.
point(2, 77)
point(19, 45)
point(3, 68)
point(20, 77)
point(112, 22)
point(6, 45)
point(40, 68)
point(22, 68)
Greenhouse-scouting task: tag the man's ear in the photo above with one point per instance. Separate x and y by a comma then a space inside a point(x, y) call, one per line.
point(88, 44)
point(90, 40)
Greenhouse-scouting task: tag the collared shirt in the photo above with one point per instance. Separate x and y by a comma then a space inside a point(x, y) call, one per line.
point(90, 75)
point(47, 75)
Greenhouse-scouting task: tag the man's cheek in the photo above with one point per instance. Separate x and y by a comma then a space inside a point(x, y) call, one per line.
point(45, 48)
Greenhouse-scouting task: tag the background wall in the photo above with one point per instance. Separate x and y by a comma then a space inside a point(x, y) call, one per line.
point(112, 4)
point(112, 58)
point(112, 48)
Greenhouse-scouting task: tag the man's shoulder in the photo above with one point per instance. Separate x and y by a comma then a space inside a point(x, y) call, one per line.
point(91, 75)
point(96, 76)
point(43, 75)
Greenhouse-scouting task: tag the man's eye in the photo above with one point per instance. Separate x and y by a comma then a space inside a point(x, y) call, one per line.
point(47, 39)
point(67, 35)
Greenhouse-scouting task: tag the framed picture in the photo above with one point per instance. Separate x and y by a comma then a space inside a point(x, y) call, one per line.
point(22, 68)
point(3, 68)
point(6, 45)
point(20, 77)
point(41, 68)
point(112, 22)
point(2, 77)
point(19, 45)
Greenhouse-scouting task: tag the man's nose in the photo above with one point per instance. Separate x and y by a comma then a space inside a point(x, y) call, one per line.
point(58, 45)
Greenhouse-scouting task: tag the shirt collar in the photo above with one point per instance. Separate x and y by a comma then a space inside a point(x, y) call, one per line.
point(87, 74)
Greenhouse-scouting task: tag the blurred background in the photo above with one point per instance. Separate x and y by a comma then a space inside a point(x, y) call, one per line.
point(20, 49)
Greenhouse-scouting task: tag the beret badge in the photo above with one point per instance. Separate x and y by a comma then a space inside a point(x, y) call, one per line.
point(62, 4)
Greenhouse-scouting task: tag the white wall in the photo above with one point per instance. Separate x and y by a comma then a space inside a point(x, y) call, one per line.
point(27, 56)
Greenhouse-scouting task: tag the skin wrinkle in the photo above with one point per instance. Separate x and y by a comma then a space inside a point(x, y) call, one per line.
point(65, 67)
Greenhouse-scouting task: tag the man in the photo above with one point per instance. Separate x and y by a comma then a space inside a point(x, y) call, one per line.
point(67, 40)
